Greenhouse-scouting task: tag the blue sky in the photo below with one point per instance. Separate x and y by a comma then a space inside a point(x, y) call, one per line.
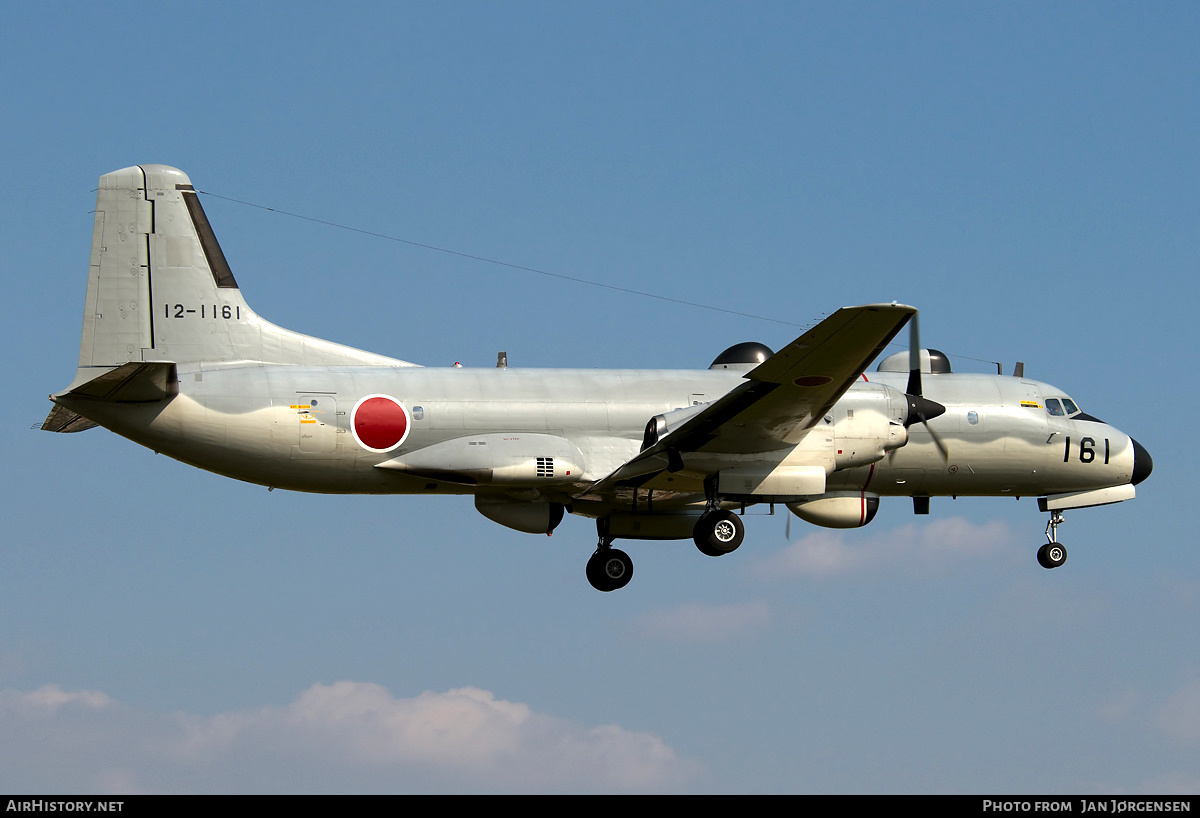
point(1024, 173)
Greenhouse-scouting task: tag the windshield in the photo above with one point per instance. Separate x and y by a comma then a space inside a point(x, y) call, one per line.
point(1061, 407)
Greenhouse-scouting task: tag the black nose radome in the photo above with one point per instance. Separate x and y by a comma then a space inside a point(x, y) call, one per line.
point(1142, 464)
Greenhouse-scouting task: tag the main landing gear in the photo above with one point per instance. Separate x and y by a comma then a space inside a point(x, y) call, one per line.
point(718, 532)
point(1053, 553)
point(609, 568)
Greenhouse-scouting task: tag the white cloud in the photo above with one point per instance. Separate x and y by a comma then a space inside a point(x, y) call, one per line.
point(923, 547)
point(705, 623)
point(347, 736)
point(1179, 716)
point(50, 698)
point(1178, 783)
point(1119, 707)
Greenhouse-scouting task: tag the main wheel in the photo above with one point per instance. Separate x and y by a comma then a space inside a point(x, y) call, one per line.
point(609, 569)
point(718, 532)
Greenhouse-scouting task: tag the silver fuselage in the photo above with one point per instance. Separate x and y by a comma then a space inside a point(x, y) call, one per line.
point(258, 423)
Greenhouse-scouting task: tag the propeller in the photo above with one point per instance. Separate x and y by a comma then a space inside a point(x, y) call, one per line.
point(920, 408)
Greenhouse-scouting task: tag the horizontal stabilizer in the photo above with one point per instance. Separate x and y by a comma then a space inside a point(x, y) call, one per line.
point(133, 382)
point(62, 419)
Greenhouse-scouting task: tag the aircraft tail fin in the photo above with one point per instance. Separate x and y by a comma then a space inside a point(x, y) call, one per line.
point(160, 288)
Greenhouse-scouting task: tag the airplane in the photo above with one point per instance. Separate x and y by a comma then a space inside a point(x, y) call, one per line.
point(172, 357)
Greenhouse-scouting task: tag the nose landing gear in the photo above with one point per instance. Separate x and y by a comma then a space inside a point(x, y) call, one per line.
point(1053, 553)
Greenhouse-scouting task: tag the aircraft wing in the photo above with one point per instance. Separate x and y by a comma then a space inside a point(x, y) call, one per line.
point(781, 399)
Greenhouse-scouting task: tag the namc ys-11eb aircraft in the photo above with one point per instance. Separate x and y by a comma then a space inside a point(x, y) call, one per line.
point(173, 358)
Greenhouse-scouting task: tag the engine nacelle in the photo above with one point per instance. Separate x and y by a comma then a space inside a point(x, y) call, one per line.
point(868, 422)
point(838, 509)
point(678, 525)
point(659, 425)
point(530, 516)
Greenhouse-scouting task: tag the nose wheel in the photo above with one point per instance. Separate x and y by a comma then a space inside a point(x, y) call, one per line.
point(1053, 553)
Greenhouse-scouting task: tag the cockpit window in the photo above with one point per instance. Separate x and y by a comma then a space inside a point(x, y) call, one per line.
point(1054, 407)
point(1070, 406)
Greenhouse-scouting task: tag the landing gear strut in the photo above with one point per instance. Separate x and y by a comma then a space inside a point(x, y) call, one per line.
point(1053, 553)
point(717, 532)
point(609, 568)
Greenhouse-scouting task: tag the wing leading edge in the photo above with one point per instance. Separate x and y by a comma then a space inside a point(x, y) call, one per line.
point(782, 398)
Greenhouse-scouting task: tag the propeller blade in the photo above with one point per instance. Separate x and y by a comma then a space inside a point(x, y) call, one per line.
point(937, 441)
point(920, 408)
point(914, 357)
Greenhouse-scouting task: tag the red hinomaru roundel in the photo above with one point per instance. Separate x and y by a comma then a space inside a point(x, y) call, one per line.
point(379, 423)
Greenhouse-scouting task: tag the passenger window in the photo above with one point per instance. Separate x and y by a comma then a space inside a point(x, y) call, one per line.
point(1070, 406)
point(1054, 407)
point(972, 417)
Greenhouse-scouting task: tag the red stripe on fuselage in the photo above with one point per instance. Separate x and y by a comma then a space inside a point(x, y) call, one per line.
point(862, 495)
